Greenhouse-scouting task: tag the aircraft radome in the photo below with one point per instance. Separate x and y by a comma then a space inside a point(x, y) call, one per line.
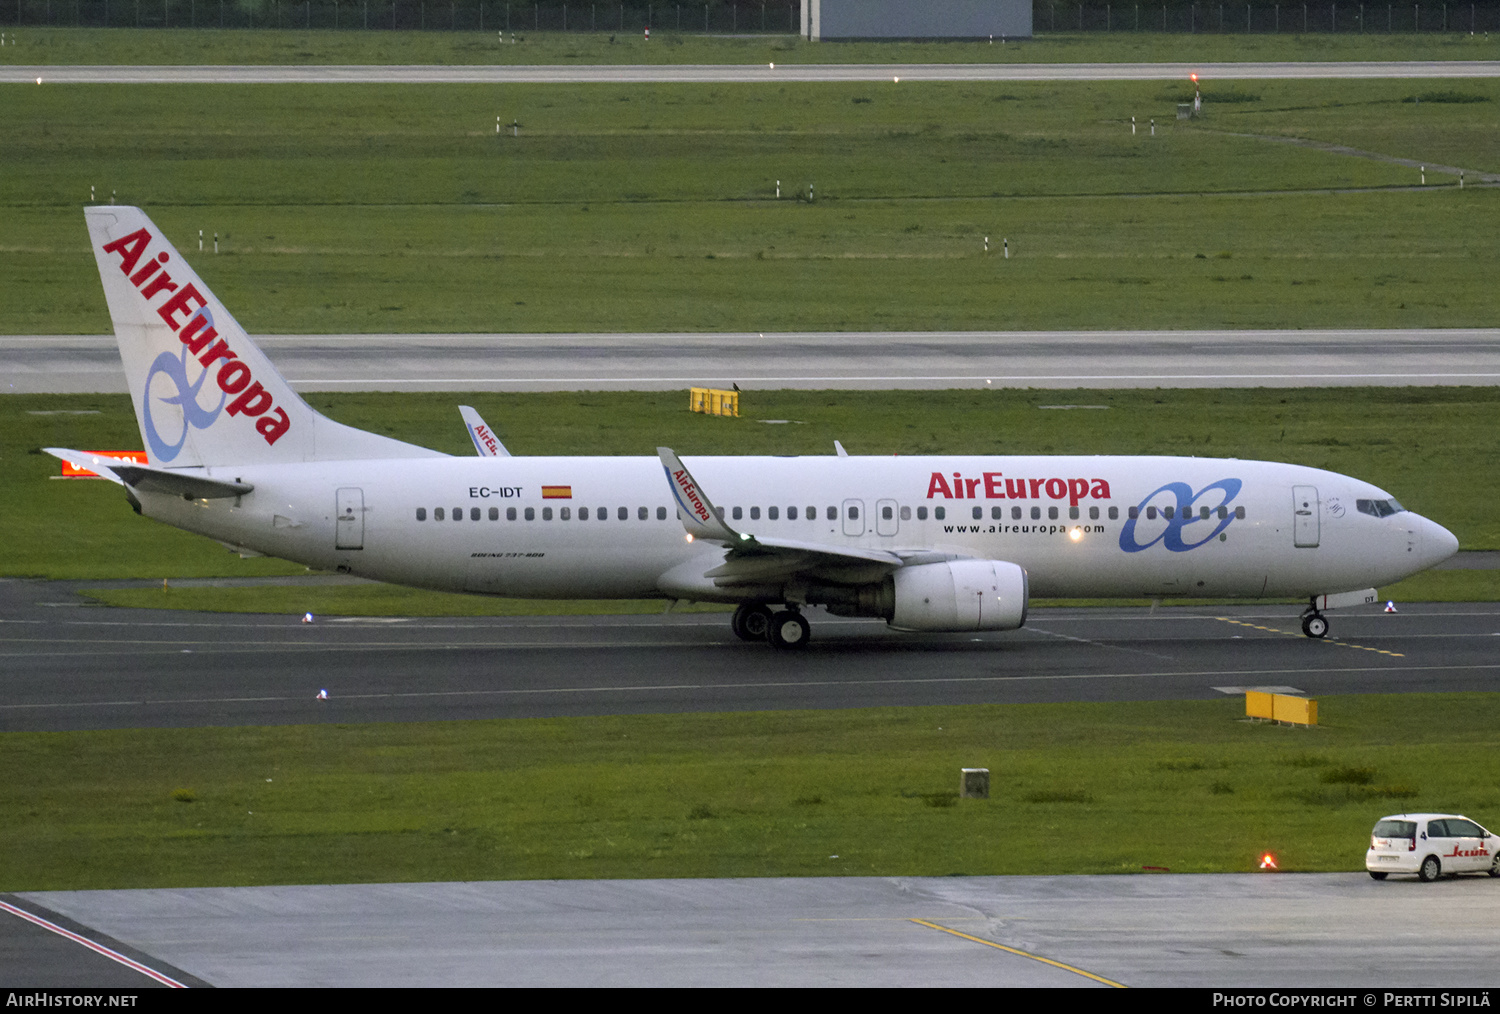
point(940, 543)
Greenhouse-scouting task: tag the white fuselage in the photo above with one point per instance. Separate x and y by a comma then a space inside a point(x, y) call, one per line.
point(461, 524)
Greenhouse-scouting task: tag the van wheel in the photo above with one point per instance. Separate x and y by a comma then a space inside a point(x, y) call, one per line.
point(1431, 869)
point(1377, 874)
point(1495, 867)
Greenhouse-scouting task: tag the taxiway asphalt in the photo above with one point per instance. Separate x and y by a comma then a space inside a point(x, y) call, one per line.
point(744, 73)
point(1283, 931)
point(60, 364)
point(66, 666)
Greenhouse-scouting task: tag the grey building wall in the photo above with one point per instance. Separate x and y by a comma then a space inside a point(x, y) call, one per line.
point(916, 19)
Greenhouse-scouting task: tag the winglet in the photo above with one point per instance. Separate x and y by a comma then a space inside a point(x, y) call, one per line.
point(699, 517)
point(486, 444)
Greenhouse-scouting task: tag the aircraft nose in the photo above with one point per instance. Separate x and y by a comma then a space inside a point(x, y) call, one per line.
point(1438, 544)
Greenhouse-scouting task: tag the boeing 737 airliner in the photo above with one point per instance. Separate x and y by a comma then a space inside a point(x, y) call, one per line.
point(950, 543)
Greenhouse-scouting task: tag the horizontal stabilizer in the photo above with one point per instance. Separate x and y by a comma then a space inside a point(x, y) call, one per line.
point(153, 480)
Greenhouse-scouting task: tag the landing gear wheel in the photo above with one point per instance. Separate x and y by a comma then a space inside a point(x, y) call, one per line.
point(1377, 874)
point(788, 630)
point(750, 622)
point(1315, 625)
point(1431, 869)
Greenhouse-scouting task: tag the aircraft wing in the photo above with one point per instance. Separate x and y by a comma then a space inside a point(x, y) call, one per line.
point(152, 480)
point(752, 559)
point(486, 444)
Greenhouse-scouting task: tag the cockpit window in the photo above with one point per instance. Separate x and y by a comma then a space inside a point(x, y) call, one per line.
point(1378, 508)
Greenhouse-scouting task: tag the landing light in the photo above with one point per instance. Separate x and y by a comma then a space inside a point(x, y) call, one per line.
point(690, 537)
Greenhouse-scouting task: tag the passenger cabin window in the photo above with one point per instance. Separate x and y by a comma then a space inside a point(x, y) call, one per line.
point(978, 513)
point(473, 513)
point(939, 513)
point(437, 514)
point(546, 513)
point(832, 514)
point(1114, 513)
point(1073, 513)
point(921, 513)
point(623, 514)
point(754, 513)
point(458, 514)
point(583, 514)
point(510, 513)
point(905, 513)
point(421, 513)
point(530, 513)
point(1015, 514)
point(791, 514)
point(739, 512)
point(1036, 514)
point(772, 513)
point(643, 513)
point(661, 514)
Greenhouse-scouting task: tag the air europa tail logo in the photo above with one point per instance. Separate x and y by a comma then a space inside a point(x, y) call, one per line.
point(186, 312)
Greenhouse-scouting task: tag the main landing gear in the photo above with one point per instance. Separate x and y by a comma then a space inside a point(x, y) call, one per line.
point(1314, 623)
point(785, 628)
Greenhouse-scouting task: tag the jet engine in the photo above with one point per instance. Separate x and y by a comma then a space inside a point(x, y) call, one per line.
point(959, 595)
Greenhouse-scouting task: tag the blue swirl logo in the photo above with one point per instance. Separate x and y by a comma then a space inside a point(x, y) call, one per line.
point(1185, 510)
point(186, 398)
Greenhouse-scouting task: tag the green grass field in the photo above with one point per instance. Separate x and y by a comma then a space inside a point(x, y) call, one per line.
point(209, 46)
point(620, 208)
point(1083, 788)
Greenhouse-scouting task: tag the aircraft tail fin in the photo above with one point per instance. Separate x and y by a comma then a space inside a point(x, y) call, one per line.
point(486, 444)
point(204, 393)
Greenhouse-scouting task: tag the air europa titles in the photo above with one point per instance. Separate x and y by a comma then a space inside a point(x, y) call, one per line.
point(689, 494)
point(997, 487)
point(185, 311)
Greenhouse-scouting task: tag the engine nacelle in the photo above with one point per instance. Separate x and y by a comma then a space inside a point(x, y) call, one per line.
point(960, 595)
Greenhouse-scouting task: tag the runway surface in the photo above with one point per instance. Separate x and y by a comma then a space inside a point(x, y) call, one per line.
point(1329, 930)
point(35, 364)
point(745, 73)
point(66, 666)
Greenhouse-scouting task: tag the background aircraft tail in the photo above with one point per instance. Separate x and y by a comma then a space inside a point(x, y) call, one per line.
point(204, 393)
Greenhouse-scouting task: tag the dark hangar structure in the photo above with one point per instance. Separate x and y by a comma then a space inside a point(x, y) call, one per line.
point(916, 19)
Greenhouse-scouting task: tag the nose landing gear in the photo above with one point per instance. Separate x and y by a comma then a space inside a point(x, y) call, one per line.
point(1314, 624)
point(783, 629)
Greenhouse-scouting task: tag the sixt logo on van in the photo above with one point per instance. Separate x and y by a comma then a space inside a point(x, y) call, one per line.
point(186, 312)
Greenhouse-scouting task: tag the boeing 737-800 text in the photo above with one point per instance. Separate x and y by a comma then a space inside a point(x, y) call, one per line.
point(945, 543)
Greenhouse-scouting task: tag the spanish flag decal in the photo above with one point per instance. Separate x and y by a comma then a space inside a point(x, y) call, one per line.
point(557, 492)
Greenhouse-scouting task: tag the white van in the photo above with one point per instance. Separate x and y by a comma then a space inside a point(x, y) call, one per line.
point(1430, 845)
